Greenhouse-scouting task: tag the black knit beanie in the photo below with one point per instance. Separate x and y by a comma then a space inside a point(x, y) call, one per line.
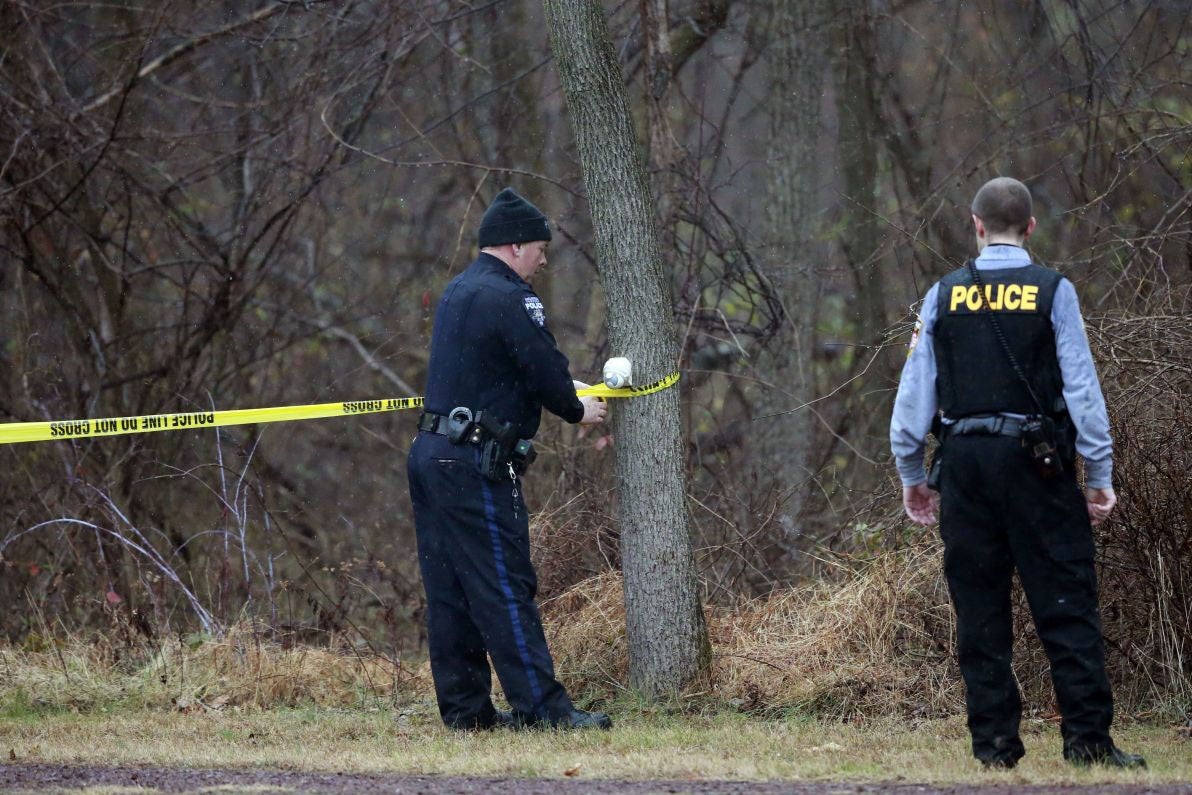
point(512, 219)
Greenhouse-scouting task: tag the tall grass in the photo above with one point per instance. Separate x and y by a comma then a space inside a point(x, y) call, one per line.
point(246, 667)
point(877, 640)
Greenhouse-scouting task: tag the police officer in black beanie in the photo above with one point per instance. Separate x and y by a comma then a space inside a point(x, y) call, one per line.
point(1000, 364)
point(494, 366)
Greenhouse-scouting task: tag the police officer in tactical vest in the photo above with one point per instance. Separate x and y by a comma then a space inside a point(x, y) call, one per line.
point(494, 366)
point(1000, 370)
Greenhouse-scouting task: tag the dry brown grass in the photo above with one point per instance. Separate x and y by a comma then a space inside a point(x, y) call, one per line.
point(245, 668)
point(874, 642)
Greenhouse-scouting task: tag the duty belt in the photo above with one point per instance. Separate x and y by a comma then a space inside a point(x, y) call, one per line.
point(500, 449)
point(433, 423)
point(985, 426)
point(464, 430)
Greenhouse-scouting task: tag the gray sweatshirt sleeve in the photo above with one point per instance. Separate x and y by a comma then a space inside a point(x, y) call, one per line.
point(915, 404)
point(1082, 389)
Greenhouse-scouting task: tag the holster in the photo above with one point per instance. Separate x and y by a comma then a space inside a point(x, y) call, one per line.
point(492, 461)
point(937, 458)
point(500, 449)
point(1039, 440)
point(1065, 438)
point(934, 473)
point(497, 447)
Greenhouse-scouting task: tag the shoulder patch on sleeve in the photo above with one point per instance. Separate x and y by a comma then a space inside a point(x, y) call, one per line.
point(914, 336)
point(535, 309)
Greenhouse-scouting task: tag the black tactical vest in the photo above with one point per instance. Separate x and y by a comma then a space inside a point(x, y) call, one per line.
point(973, 373)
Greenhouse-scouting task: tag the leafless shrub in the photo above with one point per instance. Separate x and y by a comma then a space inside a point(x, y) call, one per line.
point(200, 210)
point(1146, 548)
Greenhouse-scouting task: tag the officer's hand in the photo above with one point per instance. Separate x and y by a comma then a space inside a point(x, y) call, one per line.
point(1100, 503)
point(920, 503)
point(595, 410)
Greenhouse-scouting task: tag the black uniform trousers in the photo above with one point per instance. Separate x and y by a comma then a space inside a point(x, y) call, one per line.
point(997, 515)
point(474, 553)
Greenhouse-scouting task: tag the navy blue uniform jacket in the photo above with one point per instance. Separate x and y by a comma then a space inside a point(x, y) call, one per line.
point(492, 351)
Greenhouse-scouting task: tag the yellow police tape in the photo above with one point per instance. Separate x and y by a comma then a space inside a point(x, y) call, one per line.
point(15, 432)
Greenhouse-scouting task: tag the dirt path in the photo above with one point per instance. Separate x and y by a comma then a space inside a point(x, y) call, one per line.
point(60, 777)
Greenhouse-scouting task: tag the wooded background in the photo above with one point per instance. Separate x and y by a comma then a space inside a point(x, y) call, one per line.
point(243, 204)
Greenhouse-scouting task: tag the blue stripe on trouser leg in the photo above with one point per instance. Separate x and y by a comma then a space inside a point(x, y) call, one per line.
point(519, 635)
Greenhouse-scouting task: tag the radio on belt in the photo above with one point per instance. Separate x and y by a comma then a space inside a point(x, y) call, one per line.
point(618, 372)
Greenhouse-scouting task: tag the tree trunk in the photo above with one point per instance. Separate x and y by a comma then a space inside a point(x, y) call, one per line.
point(855, 67)
point(859, 133)
point(668, 639)
point(796, 60)
point(665, 152)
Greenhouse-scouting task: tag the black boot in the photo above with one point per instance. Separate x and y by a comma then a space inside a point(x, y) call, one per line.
point(999, 763)
point(576, 719)
point(499, 719)
point(579, 719)
point(1001, 752)
point(1110, 756)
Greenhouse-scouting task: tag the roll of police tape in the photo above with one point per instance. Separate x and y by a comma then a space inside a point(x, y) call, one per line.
point(603, 391)
point(15, 432)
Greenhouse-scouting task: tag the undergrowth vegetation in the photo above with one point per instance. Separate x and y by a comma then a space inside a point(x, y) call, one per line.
point(210, 246)
point(865, 630)
point(246, 668)
point(873, 640)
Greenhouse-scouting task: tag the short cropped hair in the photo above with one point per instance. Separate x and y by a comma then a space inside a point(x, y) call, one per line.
point(1003, 205)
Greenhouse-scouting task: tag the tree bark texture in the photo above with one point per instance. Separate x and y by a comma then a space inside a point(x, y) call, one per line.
point(665, 152)
point(796, 57)
point(667, 634)
point(859, 138)
point(855, 67)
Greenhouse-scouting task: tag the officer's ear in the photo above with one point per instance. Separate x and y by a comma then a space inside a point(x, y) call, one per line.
point(979, 225)
point(1030, 227)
